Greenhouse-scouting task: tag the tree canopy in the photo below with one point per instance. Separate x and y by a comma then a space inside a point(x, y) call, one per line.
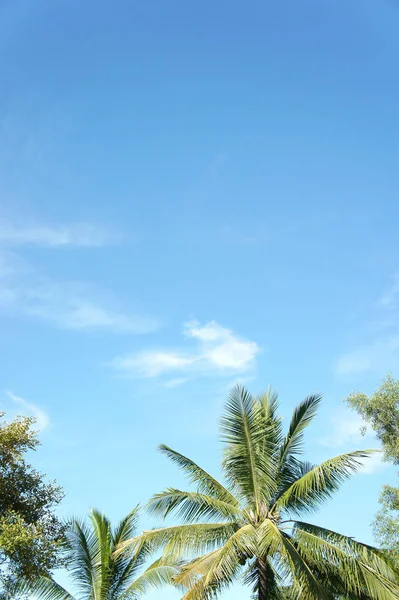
point(381, 412)
point(30, 533)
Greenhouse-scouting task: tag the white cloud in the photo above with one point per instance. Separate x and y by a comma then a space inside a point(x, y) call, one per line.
point(206, 333)
point(42, 418)
point(79, 314)
point(153, 363)
point(233, 354)
point(217, 351)
point(221, 347)
point(79, 235)
point(25, 292)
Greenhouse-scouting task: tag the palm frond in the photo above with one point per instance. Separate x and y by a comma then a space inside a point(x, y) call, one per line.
point(102, 530)
point(217, 568)
point(206, 484)
point(319, 484)
point(302, 416)
point(293, 470)
point(270, 403)
point(199, 591)
point(42, 588)
point(158, 574)
point(222, 565)
point(304, 581)
point(361, 568)
point(123, 566)
point(82, 554)
point(194, 569)
point(240, 546)
point(275, 544)
point(126, 528)
point(271, 440)
point(243, 433)
point(179, 540)
point(191, 506)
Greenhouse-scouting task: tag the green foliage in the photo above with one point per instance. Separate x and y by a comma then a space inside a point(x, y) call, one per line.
point(248, 526)
point(381, 412)
point(386, 522)
point(98, 570)
point(30, 533)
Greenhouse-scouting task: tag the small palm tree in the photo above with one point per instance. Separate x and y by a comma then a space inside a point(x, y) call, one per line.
point(98, 572)
point(251, 526)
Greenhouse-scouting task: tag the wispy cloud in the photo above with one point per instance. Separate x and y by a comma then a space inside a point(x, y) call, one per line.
point(74, 235)
point(30, 409)
point(154, 363)
point(80, 314)
point(216, 350)
point(73, 306)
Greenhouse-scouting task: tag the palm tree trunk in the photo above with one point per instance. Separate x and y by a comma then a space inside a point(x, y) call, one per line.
point(262, 579)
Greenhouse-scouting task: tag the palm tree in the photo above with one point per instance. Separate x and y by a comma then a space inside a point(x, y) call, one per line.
point(97, 571)
point(251, 526)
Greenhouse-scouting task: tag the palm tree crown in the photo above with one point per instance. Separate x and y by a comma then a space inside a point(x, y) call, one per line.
point(252, 526)
point(98, 571)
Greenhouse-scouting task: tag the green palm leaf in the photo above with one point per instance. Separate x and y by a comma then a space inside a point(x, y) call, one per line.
point(192, 571)
point(191, 506)
point(126, 528)
point(206, 484)
point(305, 583)
point(364, 567)
point(302, 416)
point(320, 483)
point(243, 431)
point(82, 555)
point(155, 576)
point(43, 588)
point(180, 539)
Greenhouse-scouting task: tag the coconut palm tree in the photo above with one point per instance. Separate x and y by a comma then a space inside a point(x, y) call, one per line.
point(251, 526)
point(97, 571)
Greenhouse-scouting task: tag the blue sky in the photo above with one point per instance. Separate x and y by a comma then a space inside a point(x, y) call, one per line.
point(195, 194)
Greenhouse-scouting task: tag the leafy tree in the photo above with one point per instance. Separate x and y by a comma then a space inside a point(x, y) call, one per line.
point(381, 412)
point(30, 533)
point(251, 526)
point(98, 572)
